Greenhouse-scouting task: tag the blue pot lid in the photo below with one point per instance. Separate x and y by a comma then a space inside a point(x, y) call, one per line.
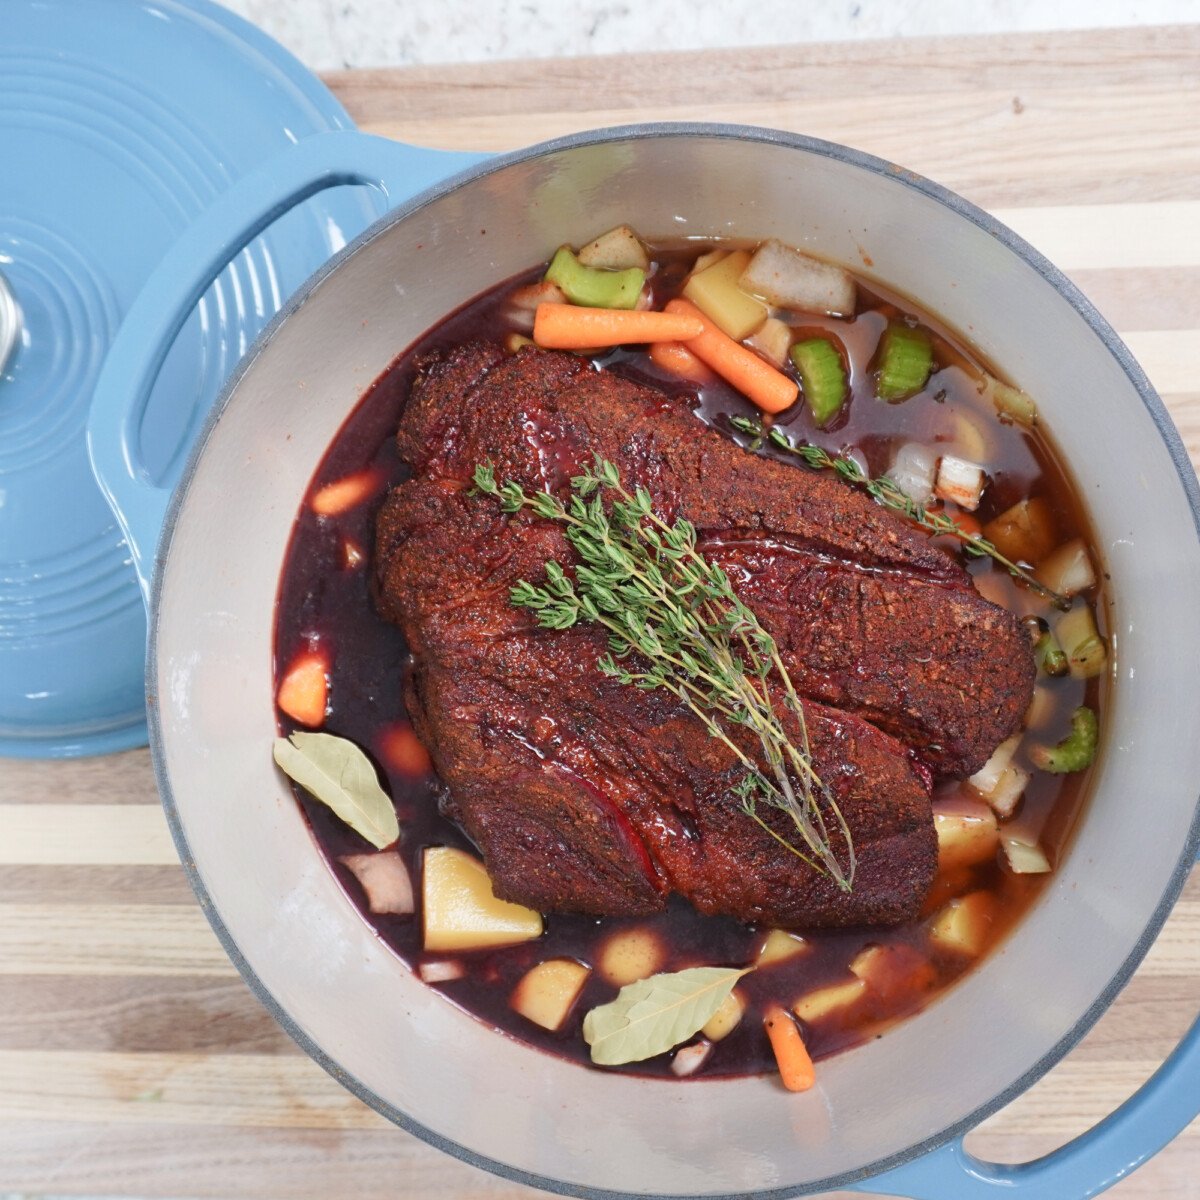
point(119, 123)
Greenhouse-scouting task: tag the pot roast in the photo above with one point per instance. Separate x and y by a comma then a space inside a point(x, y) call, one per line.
point(586, 795)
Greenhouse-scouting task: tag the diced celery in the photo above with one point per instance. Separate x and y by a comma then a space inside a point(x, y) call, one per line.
point(592, 287)
point(1076, 751)
point(822, 377)
point(905, 361)
point(1084, 647)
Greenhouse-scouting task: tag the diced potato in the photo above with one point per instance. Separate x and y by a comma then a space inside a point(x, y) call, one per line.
point(630, 955)
point(1068, 570)
point(617, 250)
point(1008, 791)
point(985, 780)
point(779, 945)
point(517, 341)
point(715, 292)
point(772, 341)
point(727, 1018)
point(912, 471)
point(304, 689)
point(1086, 652)
point(960, 481)
point(547, 992)
point(893, 970)
point(341, 496)
point(690, 1059)
point(785, 277)
point(1024, 857)
point(966, 833)
point(461, 911)
point(947, 885)
point(970, 440)
point(828, 1000)
point(964, 925)
point(709, 259)
point(1024, 533)
point(441, 970)
point(384, 879)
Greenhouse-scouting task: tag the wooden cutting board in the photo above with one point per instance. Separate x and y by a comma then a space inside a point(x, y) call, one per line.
point(133, 1060)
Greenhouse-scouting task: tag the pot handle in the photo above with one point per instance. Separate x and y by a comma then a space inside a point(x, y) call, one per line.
point(185, 273)
point(1085, 1167)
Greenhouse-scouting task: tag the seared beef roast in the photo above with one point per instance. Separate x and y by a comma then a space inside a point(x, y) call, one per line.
point(589, 796)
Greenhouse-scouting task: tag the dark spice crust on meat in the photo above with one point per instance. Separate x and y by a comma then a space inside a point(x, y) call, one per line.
point(588, 796)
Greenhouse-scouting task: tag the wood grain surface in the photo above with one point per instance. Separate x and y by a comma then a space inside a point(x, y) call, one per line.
point(134, 1061)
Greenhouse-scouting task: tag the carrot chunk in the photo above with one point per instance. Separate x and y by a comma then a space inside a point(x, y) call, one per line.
point(679, 360)
point(755, 378)
point(571, 327)
point(791, 1055)
point(344, 494)
point(402, 750)
point(304, 691)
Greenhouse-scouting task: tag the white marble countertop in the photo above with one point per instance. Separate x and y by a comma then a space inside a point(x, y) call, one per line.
point(332, 34)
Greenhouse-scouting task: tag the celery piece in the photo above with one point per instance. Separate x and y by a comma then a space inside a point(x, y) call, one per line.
point(905, 361)
point(1076, 751)
point(1049, 655)
point(822, 377)
point(594, 287)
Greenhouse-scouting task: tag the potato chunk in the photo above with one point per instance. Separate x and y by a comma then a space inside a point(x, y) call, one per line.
point(547, 992)
point(967, 833)
point(780, 945)
point(715, 292)
point(893, 970)
point(461, 911)
point(727, 1018)
point(630, 955)
point(964, 926)
point(827, 1000)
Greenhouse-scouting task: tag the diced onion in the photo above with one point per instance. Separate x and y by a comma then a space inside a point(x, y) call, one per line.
point(772, 341)
point(960, 481)
point(1068, 570)
point(441, 970)
point(784, 277)
point(690, 1059)
point(986, 779)
point(385, 880)
point(1009, 789)
point(912, 471)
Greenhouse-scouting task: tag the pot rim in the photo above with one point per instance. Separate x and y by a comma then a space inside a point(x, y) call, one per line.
point(712, 130)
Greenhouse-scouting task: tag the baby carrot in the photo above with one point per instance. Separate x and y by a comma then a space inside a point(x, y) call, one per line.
point(571, 327)
point(755, 378)
point(679, 360)
point(795, 1065)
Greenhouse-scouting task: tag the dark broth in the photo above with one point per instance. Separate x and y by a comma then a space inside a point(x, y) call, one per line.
point(324, 600)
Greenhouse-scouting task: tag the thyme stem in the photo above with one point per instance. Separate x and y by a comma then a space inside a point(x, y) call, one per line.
point(890, 496)
point(645, 583)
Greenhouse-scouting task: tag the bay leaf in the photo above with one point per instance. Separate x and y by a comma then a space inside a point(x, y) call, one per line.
point(337, 773)
point(653, 1015)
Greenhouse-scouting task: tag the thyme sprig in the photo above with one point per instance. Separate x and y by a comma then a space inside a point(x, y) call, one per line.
point(674, 623)
point(891, 496)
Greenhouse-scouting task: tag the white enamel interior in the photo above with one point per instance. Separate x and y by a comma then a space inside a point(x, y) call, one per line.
point(299, 933)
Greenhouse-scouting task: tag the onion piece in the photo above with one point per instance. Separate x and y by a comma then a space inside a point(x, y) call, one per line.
point(986, 779)
point(1024, 857)
point(523, 303)
point(441, 970)
point(772, 341)
point(384, 879)
point(1010, 402)
point(960, 481)
point(912, 471)
point(786, 278)
point(617, 250)
point(1068, 570)
point(1008, 791)
point(690, 1059)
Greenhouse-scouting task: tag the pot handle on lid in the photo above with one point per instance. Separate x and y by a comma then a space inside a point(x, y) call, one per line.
point(185, 273)
point(1085, 1167)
